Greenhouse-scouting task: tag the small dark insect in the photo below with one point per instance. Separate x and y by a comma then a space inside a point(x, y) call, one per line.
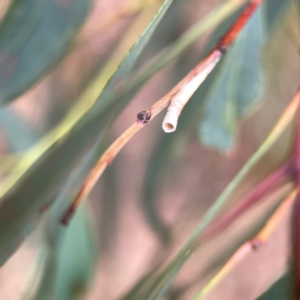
point(144, 116)
point(223, 49)
point(256, 244)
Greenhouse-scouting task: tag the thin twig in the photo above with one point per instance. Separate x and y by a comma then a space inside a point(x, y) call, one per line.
point(295, 222)
point(112, 151)
point(271, 182)
point(251, 245)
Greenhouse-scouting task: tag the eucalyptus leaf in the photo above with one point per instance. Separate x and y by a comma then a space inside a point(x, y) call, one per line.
point(273, 10)
point(236, 88)
point(281, 289)
point(71, 263)
point(61, 274)
point(34, 36)
point(154, 178)
point(20, 135)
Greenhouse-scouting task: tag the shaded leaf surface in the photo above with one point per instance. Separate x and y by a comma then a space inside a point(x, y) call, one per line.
point(281, 289)
point(273, 10)
point(34, 36)
point(238, 84)
point(70, 263)
point(236, 87)
point(21, 136)
point(62, 277)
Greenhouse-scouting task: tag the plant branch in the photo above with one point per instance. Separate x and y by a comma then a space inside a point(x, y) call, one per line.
point(271, 182)
point(295, 222)
point(296, 245)
point(202, 68)
point(251, 245)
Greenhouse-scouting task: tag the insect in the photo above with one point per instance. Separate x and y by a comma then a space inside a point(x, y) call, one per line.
point(223, 49)
point(144, 116)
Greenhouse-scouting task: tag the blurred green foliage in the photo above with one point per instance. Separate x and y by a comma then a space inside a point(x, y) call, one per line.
point(34, 36)
point(281, 289)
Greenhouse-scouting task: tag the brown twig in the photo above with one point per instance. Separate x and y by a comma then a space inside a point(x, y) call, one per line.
point(251, 245)
point(113, 150)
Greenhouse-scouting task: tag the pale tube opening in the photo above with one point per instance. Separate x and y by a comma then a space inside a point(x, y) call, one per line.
point(186, 91)
point(170, 121)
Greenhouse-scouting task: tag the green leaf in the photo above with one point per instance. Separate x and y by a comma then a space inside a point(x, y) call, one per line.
point(34, 36)
point(155, 174)
point(61, 273)
point(23, 204)
point(20, 135)
point(236, 87)
point(71, 262)
point(273, 10)
point(76, 267)
point(281, 289)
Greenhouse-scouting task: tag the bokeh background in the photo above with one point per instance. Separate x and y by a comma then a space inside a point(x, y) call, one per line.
point(153, 195)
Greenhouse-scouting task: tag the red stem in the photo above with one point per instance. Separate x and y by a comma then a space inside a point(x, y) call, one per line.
point(266, 186)
point(221, 47)
point(296, 212)
point(238, 25)
point(296, 245)
point(297, 149)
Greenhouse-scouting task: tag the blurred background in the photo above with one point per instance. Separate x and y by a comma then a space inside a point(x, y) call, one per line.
point(155, 192)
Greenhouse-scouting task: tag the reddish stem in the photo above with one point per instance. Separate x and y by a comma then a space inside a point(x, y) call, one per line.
point(297, 148)
point(238, 25)
point(296, 245)
point(296, 212)
point(262, 189)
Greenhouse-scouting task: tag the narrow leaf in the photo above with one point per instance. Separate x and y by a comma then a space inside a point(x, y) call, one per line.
point(71, 262)
point(237, 86)
point(281, 289)
point(20, 135)
point(34, 36)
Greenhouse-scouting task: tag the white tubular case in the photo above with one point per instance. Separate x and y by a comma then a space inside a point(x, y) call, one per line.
point(187, 90)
